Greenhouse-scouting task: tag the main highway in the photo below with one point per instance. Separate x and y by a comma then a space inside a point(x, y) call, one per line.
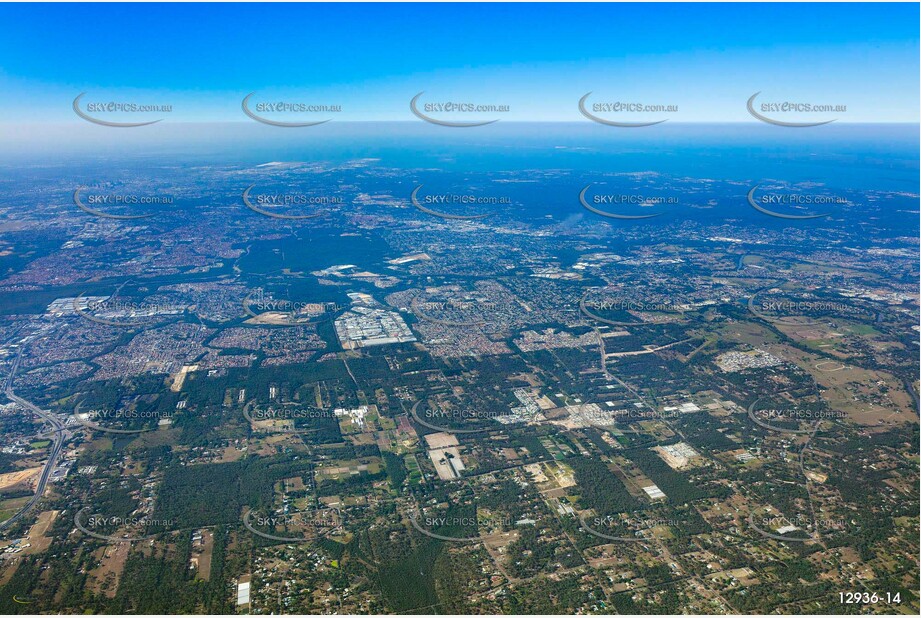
point(56, 434)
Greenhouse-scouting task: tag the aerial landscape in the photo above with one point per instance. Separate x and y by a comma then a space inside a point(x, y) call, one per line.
point(293, 360)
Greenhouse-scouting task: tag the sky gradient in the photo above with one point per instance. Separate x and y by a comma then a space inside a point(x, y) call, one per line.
point(539, 59)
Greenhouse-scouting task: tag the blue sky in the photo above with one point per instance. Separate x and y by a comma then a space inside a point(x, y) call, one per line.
point(537, 58)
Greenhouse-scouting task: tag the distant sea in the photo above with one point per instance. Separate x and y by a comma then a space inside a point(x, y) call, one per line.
point(850, 156)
